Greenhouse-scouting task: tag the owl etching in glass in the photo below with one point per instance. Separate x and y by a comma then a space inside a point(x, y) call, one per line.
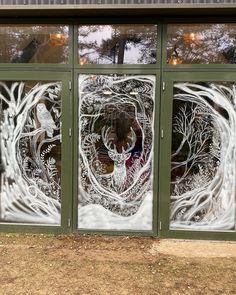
point(45, 119)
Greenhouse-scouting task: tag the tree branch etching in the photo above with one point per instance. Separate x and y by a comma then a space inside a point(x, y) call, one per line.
point(203, 158)
point(29, 134)
point(116, 131)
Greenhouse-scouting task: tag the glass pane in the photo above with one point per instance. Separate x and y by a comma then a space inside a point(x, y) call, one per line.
point(201, 44)
point(116, 152)
point(203, 177)
point(30, 159)
point(34, 44)
point(117, 44)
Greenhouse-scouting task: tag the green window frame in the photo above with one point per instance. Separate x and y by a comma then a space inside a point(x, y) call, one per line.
point(166, 75)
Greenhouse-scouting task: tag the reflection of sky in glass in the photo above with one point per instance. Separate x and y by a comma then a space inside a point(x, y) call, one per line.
point(133, 50)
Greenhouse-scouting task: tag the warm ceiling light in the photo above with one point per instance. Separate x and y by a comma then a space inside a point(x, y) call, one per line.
point(191, 37)
point(175, 61)
point(107, 92)
point(83, 61)
point(57, 39)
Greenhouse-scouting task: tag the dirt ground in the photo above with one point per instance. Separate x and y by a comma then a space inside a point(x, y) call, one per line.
point(84, 265)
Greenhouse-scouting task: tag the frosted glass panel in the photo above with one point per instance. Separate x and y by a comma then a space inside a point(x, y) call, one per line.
point(115, 152)
point(203, 185)
point(30, 158)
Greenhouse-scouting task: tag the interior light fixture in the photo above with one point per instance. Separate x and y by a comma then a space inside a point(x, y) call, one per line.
point(191, 37)
point(174, 60)
point(107, 92)
point(57, 39)
point(83, 61)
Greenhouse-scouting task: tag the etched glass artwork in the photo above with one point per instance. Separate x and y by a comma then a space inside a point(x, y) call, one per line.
point(203, 184)
point(201, 43)
point(27, 43)
point(117, 44)
point(30, 154)
point(115, 151)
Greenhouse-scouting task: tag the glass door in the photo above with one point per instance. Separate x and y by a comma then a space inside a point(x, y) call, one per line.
point(116, 152)
point(118, 74)
point(33, 123)
point(199, 185)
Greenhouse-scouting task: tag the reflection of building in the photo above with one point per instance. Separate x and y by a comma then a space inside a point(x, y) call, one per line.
point(162, 84)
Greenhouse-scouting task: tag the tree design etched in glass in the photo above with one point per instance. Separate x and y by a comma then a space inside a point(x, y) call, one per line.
point(116, 151)
point(30, 139)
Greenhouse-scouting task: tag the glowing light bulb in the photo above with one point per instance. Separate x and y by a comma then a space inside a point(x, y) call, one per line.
point(58, 39)
point(192, 36)
point(83, 61)
point(175, 61)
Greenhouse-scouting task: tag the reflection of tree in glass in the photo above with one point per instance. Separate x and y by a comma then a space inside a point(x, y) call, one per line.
point(86, 46)
point(119, 44)
point(196, 43)
point(32, 43)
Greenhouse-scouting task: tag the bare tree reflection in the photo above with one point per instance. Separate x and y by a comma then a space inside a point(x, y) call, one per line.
point(201, 43)
point(117, 44)
point(34, 44)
